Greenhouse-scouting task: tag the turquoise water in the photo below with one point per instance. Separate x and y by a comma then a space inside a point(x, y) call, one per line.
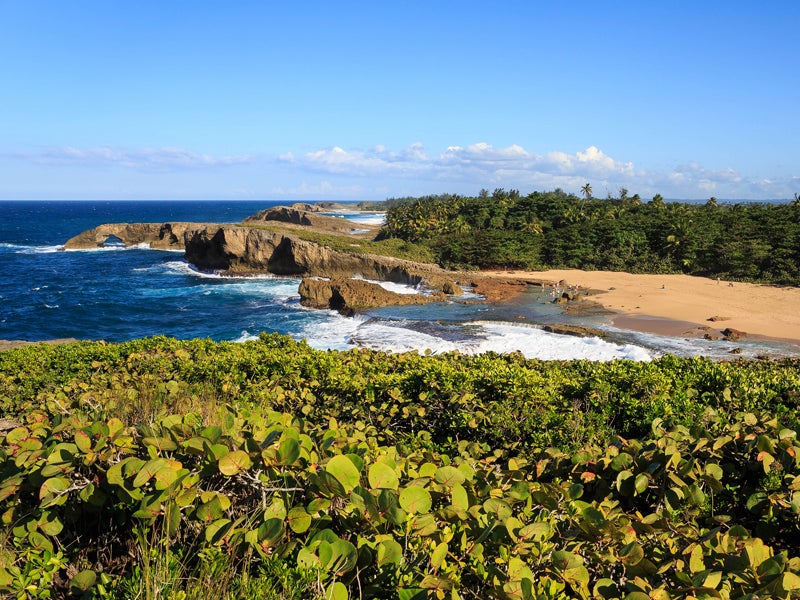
point(118, 294)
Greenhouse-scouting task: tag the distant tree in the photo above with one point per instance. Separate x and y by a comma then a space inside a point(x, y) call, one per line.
point(623, 193)
point(484, 193)
point(658, 201)
point(796, 201)
point(586, 190)
point(712, 201)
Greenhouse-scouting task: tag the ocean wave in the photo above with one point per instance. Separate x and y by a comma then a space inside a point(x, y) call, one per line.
point(397, 288)
point(364, 217)
point(112, 248)
point(475, 337)
point(23, 249)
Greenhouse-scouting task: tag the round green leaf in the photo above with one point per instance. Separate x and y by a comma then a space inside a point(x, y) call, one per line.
point(382, 476)
point(415, 499)
point(448, 476)
point(336, 591)
point(299, 519)
point(83, 581)
point(345, 472)
point(234, 462)
point(389, 552)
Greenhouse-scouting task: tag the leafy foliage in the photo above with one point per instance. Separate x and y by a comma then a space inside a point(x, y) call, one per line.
point(359, 473)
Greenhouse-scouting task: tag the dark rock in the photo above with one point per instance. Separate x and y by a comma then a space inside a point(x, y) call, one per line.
point(733, 335)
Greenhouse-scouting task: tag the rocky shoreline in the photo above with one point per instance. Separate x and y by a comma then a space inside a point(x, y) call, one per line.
point(269, 242)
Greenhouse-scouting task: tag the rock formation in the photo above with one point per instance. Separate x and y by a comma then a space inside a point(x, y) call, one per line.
point(164, 236)
point(237, 250)
point(349, 295)
point(294, 215)
point(249, 249)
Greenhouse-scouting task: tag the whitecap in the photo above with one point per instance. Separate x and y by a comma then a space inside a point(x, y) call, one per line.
point(475, 337)
point(397, 288)
point(364, 217)
point(20, 249)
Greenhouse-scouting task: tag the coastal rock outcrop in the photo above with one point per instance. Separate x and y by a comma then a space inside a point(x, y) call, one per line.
point(293, 215)
point(165, 236)
point(349, 295)
point(238, 250)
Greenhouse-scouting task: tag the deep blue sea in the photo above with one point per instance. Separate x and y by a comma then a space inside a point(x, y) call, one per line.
point(118, 294)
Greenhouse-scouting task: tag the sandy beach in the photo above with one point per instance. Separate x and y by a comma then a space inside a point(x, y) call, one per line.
point(674, 304)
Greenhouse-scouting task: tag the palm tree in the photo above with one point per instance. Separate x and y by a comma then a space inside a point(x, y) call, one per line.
point(587, 191)
point(796, 201)
point(712, 201)
point(658, 201)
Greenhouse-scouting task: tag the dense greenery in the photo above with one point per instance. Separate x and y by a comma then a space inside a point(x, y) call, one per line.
point(754, 242)
point(173, 469)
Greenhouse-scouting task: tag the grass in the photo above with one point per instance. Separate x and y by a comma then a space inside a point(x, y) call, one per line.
point(394, 247)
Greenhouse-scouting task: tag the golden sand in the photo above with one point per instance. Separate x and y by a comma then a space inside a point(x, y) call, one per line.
point(671, 303)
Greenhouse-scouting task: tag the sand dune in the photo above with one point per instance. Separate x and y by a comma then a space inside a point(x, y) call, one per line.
point(646, 302)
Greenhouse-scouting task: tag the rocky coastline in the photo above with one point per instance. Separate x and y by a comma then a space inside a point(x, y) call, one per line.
point(266, 244)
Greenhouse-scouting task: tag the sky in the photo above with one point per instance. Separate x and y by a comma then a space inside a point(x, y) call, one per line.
point(368, 100)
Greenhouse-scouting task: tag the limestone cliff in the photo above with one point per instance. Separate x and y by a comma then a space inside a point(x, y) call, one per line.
point(234, 249)
point(164, 236)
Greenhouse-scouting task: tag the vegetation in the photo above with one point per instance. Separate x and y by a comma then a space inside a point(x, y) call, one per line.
point(192, 469)
point(752, 242)
point(395, 247)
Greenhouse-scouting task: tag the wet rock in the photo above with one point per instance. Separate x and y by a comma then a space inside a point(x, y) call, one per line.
point(733, 335)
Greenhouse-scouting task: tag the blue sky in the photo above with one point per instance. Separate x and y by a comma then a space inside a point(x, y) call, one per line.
point(368, 100)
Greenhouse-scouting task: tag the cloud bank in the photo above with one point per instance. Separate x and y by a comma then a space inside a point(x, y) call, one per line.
point(484, 165)
point(340, 173)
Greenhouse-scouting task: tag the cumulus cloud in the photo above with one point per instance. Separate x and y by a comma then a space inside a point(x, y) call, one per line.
point(479, 161)
point(144, 159)
point(484, 165)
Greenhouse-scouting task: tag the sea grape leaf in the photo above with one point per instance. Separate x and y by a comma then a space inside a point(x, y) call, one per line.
point(448, 476)
point(345, 472)
point(299, 519)
point(234, 462)
point(389, 552)
point(459, 497)
point(382, 476)
point(415, 500)
point(631, 554)
point(336, 591)
point(288, 452)
point(83, 441)
point(438, 555)
point(83, 581)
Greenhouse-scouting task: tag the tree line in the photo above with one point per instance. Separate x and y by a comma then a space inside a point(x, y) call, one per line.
point(554, 229)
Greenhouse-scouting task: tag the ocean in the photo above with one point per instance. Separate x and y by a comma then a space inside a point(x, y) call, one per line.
point(118, 294)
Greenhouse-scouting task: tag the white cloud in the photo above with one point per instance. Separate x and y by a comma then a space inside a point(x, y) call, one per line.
point(467, 168)
point(143, 159)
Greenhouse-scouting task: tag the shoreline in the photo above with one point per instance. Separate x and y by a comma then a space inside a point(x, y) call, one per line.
point(680, 305)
